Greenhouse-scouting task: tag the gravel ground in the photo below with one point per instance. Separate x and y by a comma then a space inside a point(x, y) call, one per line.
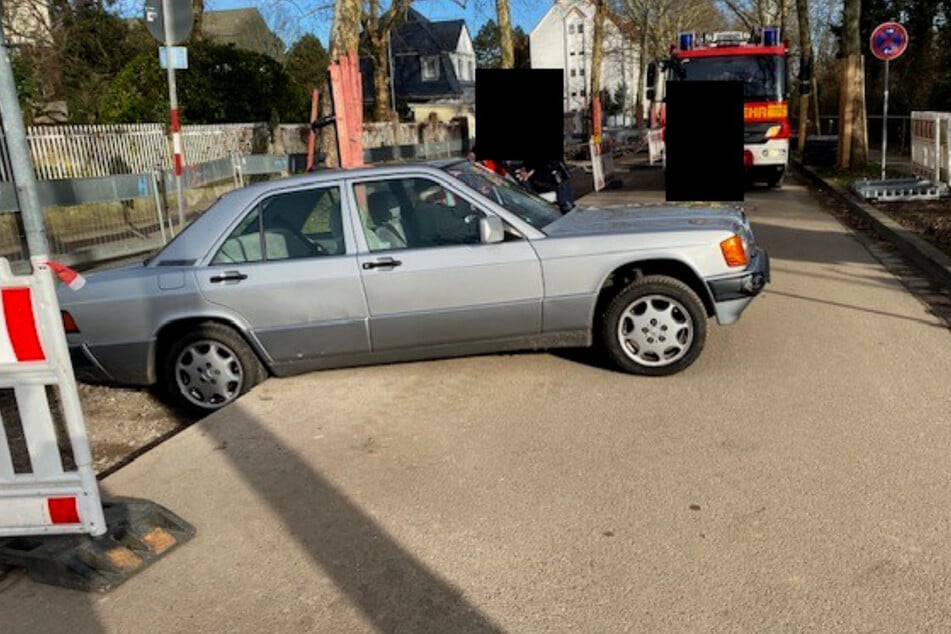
point(124, 422)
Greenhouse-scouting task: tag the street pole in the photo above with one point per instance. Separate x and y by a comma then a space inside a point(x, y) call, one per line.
point(174, 121)
point(885, 122)
point(28, 197)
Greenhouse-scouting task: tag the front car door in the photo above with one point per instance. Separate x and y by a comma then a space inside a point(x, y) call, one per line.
point(428, 278)
point(286, 271)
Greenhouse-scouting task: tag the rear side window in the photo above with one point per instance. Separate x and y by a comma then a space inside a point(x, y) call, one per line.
point(288, 226)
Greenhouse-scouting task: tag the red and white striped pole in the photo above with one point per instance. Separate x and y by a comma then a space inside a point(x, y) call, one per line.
point(177, 157)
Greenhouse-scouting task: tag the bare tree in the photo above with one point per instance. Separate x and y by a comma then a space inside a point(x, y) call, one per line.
point(378, 29)
point(659, 22)
point(757, 13)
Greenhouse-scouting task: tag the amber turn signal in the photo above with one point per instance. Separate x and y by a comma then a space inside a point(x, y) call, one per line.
point(733, 251)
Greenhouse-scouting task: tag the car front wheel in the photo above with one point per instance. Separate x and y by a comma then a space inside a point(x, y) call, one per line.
point(655, 326)
point(209, 366)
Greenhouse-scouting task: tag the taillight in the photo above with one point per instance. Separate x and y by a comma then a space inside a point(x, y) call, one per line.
point(780, 131)
point(734, 252)
point(69, 324)
point(747, 158)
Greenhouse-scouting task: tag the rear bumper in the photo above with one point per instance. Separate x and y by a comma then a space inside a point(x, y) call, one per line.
point(120, 364)
point(731, 295)
point(773, 153)
point(85, 366)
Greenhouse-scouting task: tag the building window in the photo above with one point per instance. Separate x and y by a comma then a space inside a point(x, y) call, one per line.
point(573, 72)
point(429, 67)
point(581, 28)
point(471, 70)
point(571, 28)
point(583, 92)
point(574, 93)
point(581, 71)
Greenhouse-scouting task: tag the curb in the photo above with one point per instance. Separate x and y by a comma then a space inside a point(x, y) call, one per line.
point(926, 256)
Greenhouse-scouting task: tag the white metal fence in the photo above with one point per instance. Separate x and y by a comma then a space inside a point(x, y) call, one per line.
point(930, 146)
point(104, 196)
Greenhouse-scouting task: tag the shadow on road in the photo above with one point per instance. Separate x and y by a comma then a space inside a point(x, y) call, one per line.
point(395, 591)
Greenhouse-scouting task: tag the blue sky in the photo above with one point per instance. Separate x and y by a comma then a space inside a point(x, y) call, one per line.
point(292, 18)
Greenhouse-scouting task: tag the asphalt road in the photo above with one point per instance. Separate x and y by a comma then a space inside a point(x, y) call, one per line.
point(794, 479)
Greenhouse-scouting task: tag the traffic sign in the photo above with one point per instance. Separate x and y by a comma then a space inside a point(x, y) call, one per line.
point(180, 25)
point(177, 54)
point(888, 41)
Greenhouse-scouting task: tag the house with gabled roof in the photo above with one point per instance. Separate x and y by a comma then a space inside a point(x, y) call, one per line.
point(434, 68)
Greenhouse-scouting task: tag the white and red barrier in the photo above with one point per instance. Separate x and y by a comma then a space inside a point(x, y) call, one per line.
point(45, 498)
point(930, 146)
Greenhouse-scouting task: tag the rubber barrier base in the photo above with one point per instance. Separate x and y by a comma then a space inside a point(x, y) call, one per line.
point(139, 533)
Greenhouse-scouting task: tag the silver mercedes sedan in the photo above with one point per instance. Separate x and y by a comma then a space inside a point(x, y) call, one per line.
point(397, 263)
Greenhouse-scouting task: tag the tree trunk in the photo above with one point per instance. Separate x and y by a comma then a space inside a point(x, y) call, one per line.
point(597, 43)
point(805, 61)
point(381, 80)
point(641, 70)
point(853, 147)
point(344, 37)
point(198, 10)
point(505, 33)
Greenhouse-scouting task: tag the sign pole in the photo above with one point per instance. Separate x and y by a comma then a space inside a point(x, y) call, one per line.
point(28, 197)
point(885, 122)
point(173, 107)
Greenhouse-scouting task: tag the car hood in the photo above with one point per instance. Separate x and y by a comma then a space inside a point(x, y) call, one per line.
point(648, 218)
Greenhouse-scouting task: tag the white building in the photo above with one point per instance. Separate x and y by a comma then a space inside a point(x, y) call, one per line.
point(562, 39)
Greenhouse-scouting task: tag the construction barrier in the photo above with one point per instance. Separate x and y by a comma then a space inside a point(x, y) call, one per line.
point(52, 521)
point(52, 488)
point(930, 149)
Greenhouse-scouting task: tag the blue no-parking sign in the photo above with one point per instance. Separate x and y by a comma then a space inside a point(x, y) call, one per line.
point(888, 41)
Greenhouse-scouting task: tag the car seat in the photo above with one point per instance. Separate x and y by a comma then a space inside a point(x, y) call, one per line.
point(387, 228)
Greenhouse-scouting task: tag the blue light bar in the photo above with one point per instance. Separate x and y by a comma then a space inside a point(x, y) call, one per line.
point(770, 36)
point(686, 41)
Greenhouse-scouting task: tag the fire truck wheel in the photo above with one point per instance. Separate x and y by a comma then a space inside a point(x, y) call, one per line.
point(776, 180)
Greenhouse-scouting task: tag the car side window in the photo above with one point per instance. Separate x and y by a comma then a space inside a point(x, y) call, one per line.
point(413, 213)
point(286, 226)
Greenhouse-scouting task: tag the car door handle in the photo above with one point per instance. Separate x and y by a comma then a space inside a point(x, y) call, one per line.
point(228, 276)
point(382, 263)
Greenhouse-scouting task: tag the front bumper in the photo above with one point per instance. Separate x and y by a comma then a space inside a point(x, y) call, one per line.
point(731, 295)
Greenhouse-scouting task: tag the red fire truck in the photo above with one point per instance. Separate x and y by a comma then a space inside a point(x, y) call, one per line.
point(759, 61)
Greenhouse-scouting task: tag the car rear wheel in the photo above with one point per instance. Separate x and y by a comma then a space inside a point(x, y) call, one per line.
point(209, 366)
point(655, 326)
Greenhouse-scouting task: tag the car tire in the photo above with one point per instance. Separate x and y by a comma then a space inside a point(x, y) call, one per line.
point(655, 326)
point(209, 366)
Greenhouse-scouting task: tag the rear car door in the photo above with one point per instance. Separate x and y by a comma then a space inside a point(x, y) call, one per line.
point(428, 278)
point(285, 269)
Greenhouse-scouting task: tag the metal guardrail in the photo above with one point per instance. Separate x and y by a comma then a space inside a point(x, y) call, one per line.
point(898, 189)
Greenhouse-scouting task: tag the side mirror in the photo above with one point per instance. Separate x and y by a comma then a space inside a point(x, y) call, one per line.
point(651, 75)
point(491, 229)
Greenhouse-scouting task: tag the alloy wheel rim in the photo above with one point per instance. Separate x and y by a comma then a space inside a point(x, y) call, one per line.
point(208, 374)
point(655, 330)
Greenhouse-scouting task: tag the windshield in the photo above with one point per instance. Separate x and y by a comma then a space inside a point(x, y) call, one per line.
point(534, 210)
point(763, 76)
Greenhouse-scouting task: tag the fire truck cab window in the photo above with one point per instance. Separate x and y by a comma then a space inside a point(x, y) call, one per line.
point(763, 76)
